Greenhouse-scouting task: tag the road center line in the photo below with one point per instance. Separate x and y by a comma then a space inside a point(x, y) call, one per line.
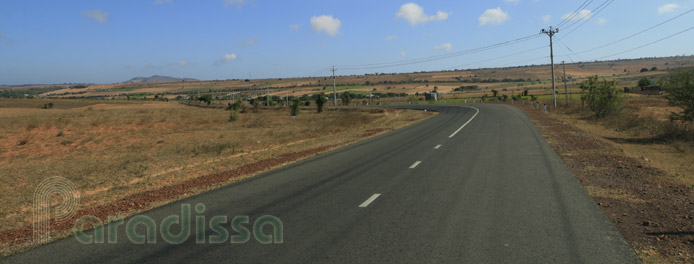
point(415, 164)
point(437, 146)
point(461, 127)
point(371, 199)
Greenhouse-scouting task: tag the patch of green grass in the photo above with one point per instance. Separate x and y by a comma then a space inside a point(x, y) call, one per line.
point(347, 87)
point(122, 89)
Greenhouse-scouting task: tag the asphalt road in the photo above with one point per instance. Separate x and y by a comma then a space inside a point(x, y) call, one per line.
point(494, 192)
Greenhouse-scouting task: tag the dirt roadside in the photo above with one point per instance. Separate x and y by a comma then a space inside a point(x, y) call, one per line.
point(654, 214)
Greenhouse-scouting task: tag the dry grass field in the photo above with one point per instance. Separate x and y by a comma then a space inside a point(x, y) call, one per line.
point(113, 149)
point(536, 78)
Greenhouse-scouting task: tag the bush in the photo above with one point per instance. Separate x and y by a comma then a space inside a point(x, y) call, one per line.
point(346, 98)
point(256, 106)
point(205, 99)
point(235, 106)
point(644, 82)
point(320, 102)
point(233, 116)
point(680, 88)
point(296, 108)
point(601, 96)
point(644, 69)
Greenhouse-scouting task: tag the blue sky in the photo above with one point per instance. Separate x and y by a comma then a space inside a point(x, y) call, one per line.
point(113, 41)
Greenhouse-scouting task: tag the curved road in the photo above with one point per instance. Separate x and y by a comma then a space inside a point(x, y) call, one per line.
point(494, 192)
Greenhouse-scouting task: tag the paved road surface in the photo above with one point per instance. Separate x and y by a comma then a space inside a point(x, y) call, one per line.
point(494, 192)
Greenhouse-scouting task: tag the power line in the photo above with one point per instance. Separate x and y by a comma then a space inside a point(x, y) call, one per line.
point(437, 57)
point(648, 44)
point(598, 10)
point(496, 58)
point(570, 50)
point(574, 13)
point(637, 33)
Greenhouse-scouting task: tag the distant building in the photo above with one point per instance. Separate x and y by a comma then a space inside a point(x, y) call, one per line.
point(432, 96)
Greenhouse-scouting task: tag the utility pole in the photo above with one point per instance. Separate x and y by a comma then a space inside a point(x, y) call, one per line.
point(551, 33)
point(566, 90)
point(334, 89)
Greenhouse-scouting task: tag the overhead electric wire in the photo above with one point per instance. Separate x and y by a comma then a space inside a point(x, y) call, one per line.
point(648, 44)
point(575, 13)
point(570, 50)
point(637, 33)
point(500, 57)
point(437, 57)
point(598, 10)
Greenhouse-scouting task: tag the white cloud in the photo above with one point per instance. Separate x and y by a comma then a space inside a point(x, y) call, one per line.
point(249, 42)
point(392, 37)
point(668, 8)
point(415, 14)
point(326, 23)
point(182, 63)
point(445, 47)
point(295, 27)
point(403, 53)
point(493, 16)
point(546, 18)
point(602, 21)
point(238, 3)
point(226, 58)
point(98, 15)
point(159, 2)
point(515, 2)
point(583, 14)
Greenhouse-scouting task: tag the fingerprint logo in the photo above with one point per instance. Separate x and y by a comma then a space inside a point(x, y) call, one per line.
point(55, 194)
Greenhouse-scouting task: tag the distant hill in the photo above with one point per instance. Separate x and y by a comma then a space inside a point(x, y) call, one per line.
point(158, 78)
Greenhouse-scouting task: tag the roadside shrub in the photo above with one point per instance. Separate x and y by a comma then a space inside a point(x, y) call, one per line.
point(307, 103)
point(320, 102)
point(601, 96)
point(296, 108)
point(680, 88)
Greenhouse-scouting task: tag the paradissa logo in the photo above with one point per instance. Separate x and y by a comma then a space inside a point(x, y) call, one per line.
point(182, 223)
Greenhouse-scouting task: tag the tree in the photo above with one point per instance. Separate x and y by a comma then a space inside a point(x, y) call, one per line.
point(495, 92)
point(644, 82)
point(601, 96)
point(206, 99)
point(296, 107)
point(680, 88)
point(320, 101)
point(346, 98)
